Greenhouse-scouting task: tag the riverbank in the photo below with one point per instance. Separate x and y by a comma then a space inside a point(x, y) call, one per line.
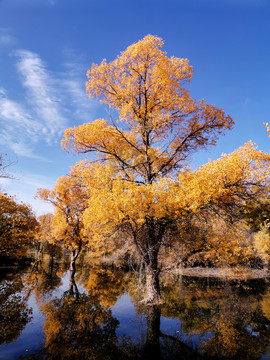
point(226, 273)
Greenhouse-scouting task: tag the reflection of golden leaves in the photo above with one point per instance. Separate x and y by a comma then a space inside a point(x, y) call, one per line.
point(227, 319)
point(78, 327)
point(105, 284)
point(265, 304)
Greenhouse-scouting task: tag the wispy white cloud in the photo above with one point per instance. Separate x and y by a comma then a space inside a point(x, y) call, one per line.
point(38, 181)
point(22, 149)
point(80, 104)
point(18, 129)
point(73, 82)
point(43, 95)
point(50, 103)
point(16, 117)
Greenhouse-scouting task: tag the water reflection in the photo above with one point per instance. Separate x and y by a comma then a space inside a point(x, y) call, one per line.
point(77, 327)
point(200, 318)
point(106, 283)
point(228, 317)
point(14, 312)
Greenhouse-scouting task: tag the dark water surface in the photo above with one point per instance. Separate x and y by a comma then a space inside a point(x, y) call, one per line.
point(46, 313)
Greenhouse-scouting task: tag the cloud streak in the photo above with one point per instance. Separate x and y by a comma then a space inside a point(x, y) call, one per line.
point(42, 90)
point(18, 128)
point(49, 103)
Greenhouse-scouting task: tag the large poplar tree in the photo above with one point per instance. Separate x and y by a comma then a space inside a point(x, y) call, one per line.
point(139, 183)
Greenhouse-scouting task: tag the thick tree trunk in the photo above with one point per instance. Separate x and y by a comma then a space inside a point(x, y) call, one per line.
point(152, 294)
point(148, 246)
point(147, 241)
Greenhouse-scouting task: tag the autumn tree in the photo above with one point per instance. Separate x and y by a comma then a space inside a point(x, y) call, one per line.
point(17, 227)
point(45, 242)
point(66, 227)
point(139, 183)
point(44, 233)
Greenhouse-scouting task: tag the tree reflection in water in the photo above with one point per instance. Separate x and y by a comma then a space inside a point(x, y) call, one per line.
point(228, 317)
point(14, 312)
point(44, 277)
point(212, 319)
point(77, 327)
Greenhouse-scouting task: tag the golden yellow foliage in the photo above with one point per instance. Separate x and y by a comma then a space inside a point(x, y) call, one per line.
point(139, 183)
point(17, 227)
point(163, 124)
point(262, 241)
point(217, 186)
point(69, 200)
point(234, 178)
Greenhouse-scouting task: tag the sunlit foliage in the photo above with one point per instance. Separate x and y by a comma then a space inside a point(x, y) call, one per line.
point(69, 200)
point(17, 227)
point(139, 184)
point(262, 241)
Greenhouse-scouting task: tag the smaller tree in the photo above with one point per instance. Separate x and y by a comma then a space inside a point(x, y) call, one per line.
point(17, 227)
point(69, 200)
point(44, 233)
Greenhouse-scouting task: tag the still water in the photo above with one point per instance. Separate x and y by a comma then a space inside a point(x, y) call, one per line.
point(48, 313)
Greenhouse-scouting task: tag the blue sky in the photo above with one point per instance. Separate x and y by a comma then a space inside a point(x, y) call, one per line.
point(46, 47)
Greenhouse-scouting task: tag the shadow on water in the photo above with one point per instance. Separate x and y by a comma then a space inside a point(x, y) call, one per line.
point(80, 317)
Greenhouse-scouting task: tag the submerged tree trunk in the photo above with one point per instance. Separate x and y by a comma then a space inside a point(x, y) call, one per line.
point(152, 291)
point(149, 250)
point(74, 255)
